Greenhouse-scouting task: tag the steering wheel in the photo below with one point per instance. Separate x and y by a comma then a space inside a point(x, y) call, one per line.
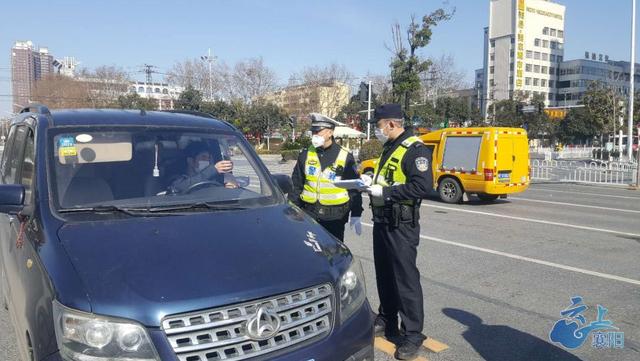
point(201, 185)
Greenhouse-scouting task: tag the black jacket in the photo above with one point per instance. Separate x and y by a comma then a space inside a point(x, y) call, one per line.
point(327, 157)
point(419, 181)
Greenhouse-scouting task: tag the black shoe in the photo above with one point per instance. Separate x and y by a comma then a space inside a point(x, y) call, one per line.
point(407, 351)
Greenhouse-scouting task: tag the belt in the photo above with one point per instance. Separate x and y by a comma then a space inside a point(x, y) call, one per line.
point(396, 213)
point(327, 213)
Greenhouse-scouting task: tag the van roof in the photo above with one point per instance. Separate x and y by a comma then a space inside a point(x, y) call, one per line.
point(79, 117)
point(435, 135)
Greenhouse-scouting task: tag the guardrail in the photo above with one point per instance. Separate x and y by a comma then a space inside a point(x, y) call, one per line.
point(593, 172)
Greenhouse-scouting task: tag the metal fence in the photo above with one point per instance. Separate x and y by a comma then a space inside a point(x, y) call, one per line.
point(566, 153)
point(593, 172)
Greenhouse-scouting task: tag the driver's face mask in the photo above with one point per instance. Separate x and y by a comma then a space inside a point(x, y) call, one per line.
point(202, 164)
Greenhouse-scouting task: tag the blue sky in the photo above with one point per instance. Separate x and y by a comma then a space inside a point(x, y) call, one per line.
point(288, 34)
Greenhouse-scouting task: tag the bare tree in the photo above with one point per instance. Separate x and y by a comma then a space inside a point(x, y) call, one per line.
point(329, 88)
point(194, 73)
point(442, 78)
point(104, 84)
point(250, 79)
point(58, 92)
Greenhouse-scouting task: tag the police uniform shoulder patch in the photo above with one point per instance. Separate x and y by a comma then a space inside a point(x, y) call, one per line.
point(422, 164)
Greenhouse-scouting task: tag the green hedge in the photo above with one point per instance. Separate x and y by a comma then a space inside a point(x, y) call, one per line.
point(370, 150)
point(290, 154)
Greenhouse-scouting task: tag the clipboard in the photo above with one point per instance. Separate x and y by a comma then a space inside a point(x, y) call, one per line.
point(351, 184)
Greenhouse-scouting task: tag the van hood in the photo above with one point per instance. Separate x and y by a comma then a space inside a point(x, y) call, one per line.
point(146, 268)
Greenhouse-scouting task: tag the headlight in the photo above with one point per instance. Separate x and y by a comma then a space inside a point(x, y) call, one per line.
point(86, 337)
point(352, 290)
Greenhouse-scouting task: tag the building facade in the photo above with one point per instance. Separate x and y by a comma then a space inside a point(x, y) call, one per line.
point(301, 100)
point(28, 65)
point(575, 76)
point(165, 94)
point(524, 45)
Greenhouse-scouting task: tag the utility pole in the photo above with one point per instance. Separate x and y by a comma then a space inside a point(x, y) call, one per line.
point(369, 112)
point(209, 59)
point(632, 81)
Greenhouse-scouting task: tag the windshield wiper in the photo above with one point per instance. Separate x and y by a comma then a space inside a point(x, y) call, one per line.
point(106, 209)
point(196, 206)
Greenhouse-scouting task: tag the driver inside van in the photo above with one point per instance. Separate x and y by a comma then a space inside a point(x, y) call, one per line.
point(203, 167)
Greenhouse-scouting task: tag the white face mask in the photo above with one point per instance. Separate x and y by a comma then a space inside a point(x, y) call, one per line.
point(380, 134)
point(202, 164)
point(317, 140)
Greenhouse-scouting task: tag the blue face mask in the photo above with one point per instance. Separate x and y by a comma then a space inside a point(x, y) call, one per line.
point(202, 164)
point(380, 134)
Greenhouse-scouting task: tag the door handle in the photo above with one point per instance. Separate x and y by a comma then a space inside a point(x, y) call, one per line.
point(12, 219)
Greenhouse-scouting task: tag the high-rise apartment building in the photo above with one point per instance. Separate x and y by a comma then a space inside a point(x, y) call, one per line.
point(28, 64)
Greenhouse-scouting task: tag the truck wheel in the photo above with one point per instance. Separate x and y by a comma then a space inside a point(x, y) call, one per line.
point(450, 190)
point(488, 197)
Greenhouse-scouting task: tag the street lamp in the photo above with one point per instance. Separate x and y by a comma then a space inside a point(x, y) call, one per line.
point(209, 59)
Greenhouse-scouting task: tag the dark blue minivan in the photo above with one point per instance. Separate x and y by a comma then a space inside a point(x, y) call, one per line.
point(142, 236)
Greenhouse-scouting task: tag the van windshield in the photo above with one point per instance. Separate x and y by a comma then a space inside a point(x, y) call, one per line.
point(154, 167)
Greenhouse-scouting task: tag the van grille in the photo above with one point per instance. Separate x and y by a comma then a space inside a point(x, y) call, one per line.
point(221, 333)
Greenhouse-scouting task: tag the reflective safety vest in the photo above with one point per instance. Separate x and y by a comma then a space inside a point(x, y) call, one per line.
point(390, 173)
point(318, 185)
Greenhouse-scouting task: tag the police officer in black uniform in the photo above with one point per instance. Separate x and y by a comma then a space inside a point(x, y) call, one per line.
point(316, 169)
point(402, 178)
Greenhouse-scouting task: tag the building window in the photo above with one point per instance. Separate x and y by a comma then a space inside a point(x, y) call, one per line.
point(559, 58)
point(493, 56)
point(543, 82)
point(552, 70)
point(140, 89)
point(560, 46)
point(554, 44)
point(560, 34)
point(536, 42)
point(528, 67)
point(165, 91)
point(545, 43)
point(544, 70)
point(552, 57)
point(545, 31)
point(156, 90)
point(527, 81)
point(536, 68)
point(491, 70)
point(552, 83)
point(512, 53)
point(553, 32)
point(536, 82)
point(529, 54)
point(493, 43)
point(511, 66)
point(545, 56)
point(536, 55)
point(551, 96)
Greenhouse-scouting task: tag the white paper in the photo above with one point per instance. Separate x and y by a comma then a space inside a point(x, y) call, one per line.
point(356, 184)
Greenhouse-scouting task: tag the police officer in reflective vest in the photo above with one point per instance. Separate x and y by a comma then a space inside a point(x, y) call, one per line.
point(401, 179)
point(317, 168)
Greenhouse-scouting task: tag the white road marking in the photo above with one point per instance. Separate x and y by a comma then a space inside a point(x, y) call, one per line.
point(582, 193)
point(575, 205)
point(528, 259)
point(534, 220)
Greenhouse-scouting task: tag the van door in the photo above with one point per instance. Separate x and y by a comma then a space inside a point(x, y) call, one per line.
point(520, 168)
point(505, 159)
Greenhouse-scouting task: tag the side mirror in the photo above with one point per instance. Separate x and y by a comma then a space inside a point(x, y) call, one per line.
point(11, 198)
point(284, 182)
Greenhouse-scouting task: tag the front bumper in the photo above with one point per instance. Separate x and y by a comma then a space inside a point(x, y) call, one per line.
point(351, 341)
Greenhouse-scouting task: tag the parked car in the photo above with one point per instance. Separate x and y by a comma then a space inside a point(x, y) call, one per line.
point(104, 258)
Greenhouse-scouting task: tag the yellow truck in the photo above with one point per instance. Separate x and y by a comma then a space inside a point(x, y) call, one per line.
point(488, 162)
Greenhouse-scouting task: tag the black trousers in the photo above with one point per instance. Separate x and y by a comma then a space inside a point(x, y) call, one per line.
point(398, 278)
point(336, 228)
